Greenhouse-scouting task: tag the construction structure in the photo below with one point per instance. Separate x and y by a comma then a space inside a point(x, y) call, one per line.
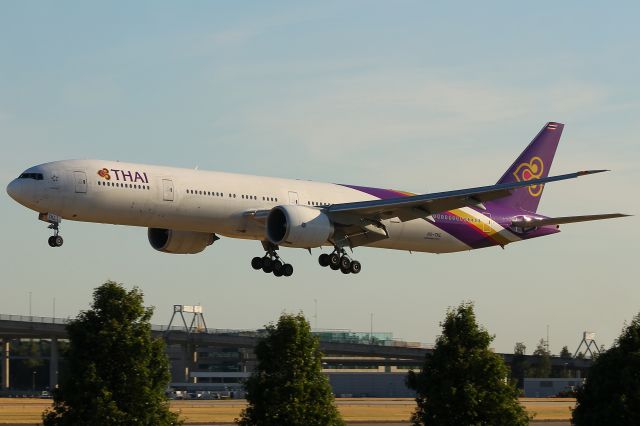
point(590, 345)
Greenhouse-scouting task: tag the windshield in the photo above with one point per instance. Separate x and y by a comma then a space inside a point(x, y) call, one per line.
point(35, 176)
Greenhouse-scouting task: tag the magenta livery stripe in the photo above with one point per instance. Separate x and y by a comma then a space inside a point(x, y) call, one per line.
point(469, 235)
point(465, 232)
point(383, 194)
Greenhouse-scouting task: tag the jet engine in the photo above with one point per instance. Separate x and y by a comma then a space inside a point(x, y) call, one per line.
point(179, 242)
point(298, 226)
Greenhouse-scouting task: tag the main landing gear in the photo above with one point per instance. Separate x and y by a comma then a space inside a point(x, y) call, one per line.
point(272, 263)
point(339, 260)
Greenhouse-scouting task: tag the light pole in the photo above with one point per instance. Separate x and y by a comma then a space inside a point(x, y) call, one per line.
point(29, 303)
point(371, 329)
point(315, 314)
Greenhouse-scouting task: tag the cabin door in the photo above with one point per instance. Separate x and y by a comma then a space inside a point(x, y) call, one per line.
point(167, 189)
point(486, 224)
point(293, 197)
point(80, 179)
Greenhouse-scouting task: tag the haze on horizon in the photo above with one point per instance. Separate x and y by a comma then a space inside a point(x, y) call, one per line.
point(413, 96)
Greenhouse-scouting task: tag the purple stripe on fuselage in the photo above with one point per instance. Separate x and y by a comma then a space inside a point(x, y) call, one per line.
point(383, 194)
point(464, 232)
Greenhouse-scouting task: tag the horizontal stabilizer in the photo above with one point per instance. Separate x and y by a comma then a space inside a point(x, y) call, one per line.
point(562, 220)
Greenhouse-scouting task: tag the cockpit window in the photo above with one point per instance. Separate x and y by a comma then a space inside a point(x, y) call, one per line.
point(34, 176)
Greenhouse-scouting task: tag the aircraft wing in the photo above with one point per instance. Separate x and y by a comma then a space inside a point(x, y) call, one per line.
point(564, 220)
point(417, 206)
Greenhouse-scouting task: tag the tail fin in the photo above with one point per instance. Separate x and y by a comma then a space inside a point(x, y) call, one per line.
point(534, 162)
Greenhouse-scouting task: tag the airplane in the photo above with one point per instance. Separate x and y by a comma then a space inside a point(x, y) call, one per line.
point(186, 210)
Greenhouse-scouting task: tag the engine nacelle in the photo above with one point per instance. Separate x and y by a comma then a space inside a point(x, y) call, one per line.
point(298, 226)
point(179, 242)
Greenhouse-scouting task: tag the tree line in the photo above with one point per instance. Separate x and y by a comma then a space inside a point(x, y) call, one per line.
point(118, 373)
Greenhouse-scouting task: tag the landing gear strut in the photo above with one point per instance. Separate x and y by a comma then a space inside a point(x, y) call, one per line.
point(54, 223)
point(272, 263)
point(339, 260)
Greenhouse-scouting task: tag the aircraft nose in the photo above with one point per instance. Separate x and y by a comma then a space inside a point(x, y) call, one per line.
point(19, 191)
point(12, 189)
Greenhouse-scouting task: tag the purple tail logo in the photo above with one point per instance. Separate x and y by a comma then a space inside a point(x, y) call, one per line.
point(531, 170)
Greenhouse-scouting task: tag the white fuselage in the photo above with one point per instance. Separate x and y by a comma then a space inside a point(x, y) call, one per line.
point(202, 201)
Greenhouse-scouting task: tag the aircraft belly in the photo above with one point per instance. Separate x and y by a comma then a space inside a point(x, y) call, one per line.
point(420, 235)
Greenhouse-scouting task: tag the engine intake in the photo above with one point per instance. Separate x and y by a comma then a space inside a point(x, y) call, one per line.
point(298, 226)
point(179, 242)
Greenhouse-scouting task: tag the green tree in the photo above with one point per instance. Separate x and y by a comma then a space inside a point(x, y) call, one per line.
point(463, 382)
point(519, 364)
point(542, 366)
point(611, 393)
point(288, 387)
point(117, 372)
point(565, 354)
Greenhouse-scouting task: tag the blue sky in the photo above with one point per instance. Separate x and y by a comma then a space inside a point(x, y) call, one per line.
point(417, 96)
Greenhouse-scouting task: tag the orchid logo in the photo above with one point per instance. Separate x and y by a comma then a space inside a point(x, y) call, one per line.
point(104, 173)
point(528, 171)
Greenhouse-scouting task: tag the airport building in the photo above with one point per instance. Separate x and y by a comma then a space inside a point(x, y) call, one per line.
point(202, 359)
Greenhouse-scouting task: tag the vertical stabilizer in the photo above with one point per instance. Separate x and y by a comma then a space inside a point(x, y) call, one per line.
point(534, 162)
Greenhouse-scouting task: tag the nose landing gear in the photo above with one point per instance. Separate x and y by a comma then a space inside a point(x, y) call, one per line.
point(55, 241)
point(54, 223)
point(272, 263)
point(339, 260)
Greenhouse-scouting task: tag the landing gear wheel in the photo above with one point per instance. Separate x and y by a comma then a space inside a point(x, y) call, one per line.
point(287, 270)
point(271, 262)
point(57, 239)
point(323, 260)
point(267, 265)
point(256, 263)
point(276, 265)
point(345, 263)
point(339, 260)
point(51, 241)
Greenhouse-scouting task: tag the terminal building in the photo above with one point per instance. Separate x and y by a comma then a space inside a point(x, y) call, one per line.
point(358, 364)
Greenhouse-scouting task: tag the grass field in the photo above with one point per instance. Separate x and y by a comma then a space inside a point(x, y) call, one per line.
point(29, 411)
